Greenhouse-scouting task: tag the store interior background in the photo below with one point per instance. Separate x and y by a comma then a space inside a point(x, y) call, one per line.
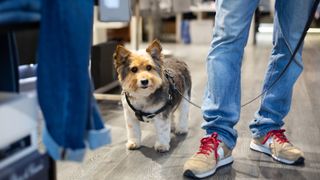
point(185, 29)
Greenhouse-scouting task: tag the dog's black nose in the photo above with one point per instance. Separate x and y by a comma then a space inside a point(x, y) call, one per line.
point(144, 82)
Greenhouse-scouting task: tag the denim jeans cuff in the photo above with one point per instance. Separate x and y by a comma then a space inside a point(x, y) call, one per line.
point(98, 138)
point(229, 144)
point(264, 132)
point(55, 150)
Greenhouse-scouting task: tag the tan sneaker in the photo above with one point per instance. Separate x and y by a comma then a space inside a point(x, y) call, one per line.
point(212, 154)
point(276, 144)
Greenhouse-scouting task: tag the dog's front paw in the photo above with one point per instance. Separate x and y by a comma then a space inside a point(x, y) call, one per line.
point(161, 147)
point(181, 131)
point(132, 145)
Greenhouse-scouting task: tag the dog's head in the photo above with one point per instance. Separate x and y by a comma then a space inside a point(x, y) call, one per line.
point(140, 73)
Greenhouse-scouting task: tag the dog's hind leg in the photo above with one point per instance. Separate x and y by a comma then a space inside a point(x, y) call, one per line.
point(181, 124)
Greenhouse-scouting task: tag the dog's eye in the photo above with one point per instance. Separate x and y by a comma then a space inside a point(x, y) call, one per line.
point(149, 68)
point(134, 69)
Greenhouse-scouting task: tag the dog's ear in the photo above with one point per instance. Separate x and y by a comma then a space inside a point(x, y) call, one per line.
point(154, 49)
point(120, 56)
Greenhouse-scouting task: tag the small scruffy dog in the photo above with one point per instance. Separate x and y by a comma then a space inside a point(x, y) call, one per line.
point(151, 92)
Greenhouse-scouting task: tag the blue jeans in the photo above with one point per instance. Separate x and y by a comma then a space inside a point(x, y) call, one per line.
point(221, 106)
point(72, 119)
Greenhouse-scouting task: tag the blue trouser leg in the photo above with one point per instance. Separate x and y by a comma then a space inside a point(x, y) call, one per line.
point(289, 21)
point(221, 106)
point(64, 87)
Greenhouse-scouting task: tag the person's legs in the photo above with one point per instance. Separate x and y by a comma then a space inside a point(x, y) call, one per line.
point(289, 21)
point(221, 106)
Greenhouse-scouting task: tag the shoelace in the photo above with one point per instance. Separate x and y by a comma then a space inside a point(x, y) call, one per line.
point(209, 144)
point(278, 134)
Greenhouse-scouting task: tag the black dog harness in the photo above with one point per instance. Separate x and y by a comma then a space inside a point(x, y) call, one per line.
point(140, 114)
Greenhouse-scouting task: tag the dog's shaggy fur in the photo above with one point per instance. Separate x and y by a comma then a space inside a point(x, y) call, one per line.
point(143, 80)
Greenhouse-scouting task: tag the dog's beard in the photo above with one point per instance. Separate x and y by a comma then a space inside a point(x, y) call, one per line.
point(136, 89)
point(142, 92)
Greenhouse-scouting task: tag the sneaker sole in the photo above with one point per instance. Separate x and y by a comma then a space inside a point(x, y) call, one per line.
point(220, 164)
point(267, 151)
